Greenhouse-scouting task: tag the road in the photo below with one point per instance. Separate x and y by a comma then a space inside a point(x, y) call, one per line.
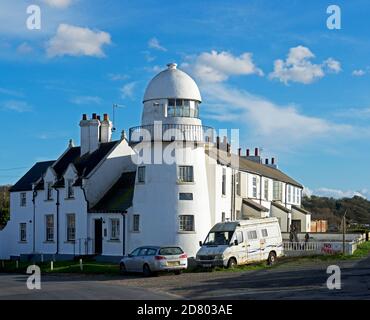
point(286, 281)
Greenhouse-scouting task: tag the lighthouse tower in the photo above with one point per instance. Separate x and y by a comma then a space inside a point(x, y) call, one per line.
point(171, 201)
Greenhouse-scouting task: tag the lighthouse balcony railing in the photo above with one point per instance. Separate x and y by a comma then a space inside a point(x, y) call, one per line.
point(172, 132)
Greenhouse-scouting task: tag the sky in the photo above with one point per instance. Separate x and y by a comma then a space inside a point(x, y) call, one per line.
point(272, 69)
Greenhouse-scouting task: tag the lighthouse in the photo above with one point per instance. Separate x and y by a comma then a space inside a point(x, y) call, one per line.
point(171, 199)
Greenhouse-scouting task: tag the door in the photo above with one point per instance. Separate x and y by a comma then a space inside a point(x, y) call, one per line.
point(253, 245)
point(130, 260)
point(241, 248)
point(297, 225)
point(98, 236)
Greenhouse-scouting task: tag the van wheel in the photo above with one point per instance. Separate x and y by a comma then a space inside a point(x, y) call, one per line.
point(122, 268)
point(271, 260)
point(231, 263)
point(146, 270)
point(177, 272)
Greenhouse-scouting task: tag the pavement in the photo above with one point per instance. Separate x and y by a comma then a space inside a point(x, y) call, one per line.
point(284, 282)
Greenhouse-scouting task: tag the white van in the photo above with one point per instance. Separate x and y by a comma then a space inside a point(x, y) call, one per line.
point(240, 242)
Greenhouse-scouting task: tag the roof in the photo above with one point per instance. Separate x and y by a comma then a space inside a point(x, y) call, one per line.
point(33, 175)
point(119, 197)
point(254, 205)
point(301, 210)
point(280, 206)
point(84, 165)
point(172, 83)
point(250, 166)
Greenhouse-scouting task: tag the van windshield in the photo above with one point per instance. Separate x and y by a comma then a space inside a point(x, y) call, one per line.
point(218, 238)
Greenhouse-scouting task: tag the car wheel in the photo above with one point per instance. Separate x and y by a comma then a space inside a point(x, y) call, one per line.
point(231, 263)
point(122, 268)
point(177, 272)
point(271, 260)
point(146, 270)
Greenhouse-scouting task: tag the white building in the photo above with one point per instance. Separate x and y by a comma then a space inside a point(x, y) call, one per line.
point(169, 182)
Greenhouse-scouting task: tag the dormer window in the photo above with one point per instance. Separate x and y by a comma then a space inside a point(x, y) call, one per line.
point(70, 191)
point(49, 191)
point(182, 108)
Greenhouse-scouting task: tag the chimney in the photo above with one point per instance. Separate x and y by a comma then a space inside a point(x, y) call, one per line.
point(90, 134)
point(228, 148)
point(239, 152)
point(272, 160)
point(218, 142)
point(256, 151)
point(267, 162)
point(106, 129)
point(248, 153)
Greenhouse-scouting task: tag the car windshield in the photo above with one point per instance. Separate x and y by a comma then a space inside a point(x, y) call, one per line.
point(218, 238)
point(170, 251)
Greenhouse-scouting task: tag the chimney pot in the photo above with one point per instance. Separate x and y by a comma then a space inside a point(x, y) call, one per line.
point(218, 142)
point(239, 152)
point(248, 152)
point(84, 116)
point(256, 152)
point(266, 161)
point(272, 160)
point(228, 147)
point(98, 117)
point(106, 118)
point(94, 116)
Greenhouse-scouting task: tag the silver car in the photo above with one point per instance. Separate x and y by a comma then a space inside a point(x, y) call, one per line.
point(151, 259)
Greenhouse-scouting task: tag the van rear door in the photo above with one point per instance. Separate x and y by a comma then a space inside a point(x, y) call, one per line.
point(253, 245)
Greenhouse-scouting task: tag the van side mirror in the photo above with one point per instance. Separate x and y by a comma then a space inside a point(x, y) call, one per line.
point(236, 242)
point(200, 243)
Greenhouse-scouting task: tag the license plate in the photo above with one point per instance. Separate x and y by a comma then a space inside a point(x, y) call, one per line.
point(208, 265)
point(173, 263)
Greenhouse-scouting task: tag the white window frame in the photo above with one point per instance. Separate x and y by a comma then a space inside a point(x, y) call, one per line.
point(185, 174)
point(254, 187)
point(71, 228)
point(136, 223)
point(252, 235)
point(266, 189)
point(49, 191)
point(141, 174)
point(115, 226)
point(49, 230)
point(23, 232)
point(186, 223)
point(70, 190)
point(23, 199)
point(277, 190)
point(289, 194)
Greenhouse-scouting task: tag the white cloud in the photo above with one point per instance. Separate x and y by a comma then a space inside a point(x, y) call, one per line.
point(61, 4)
point(153, 43)
point(117, 76)
point(148, 57)
point(217, 67)
point(11, 92)
point(77, 41)
point(276, 125)
point(17, 106)
point(338, 194)
point(86, 100)
point(24, 48)
point(298, 67)
point(127, 91)
point(358, 73)
point(333, 65)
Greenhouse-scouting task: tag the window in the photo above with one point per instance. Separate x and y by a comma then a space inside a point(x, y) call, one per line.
point(239, 237)
point(49, 223)
point(71, 227)
point(114, 229)
point(141, 174)
point(264, 233)
point(186, 223)
point(298, 196)
point(151, 252)
point(135, 252)
point(252, 235)
point(266, 189)
point(182, 108)
point(223, 216)
point(136, 223)
point(277, 191)
point(23, 232)
point(49, 191)
point(254, 189)
point(223, 181)
point(294, 193)
point(143, 252)
point(23, 199)
point(237, 183)
point(289, 194)
point(70, 191)
point(186, 174)
point(185, 196)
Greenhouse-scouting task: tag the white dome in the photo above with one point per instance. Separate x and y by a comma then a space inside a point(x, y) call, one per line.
point(172, 83)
